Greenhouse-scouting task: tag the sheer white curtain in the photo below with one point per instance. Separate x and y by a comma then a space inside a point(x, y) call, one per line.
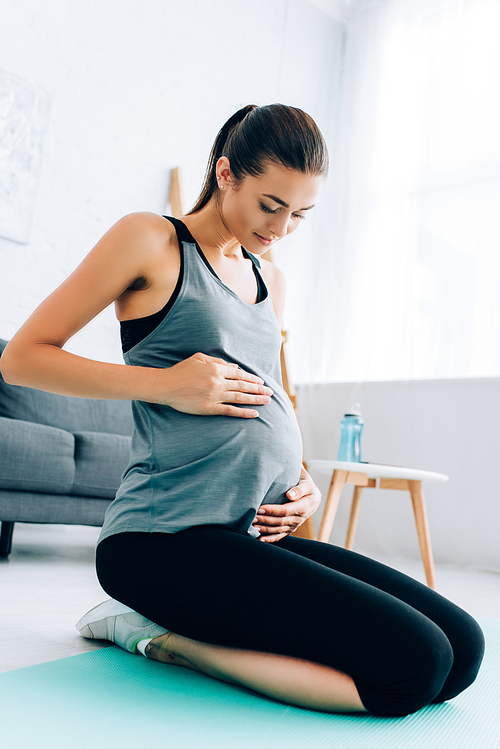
point(406, 279)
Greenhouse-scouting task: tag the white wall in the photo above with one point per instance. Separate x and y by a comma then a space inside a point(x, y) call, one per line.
point(448, 426)
point(137, 89)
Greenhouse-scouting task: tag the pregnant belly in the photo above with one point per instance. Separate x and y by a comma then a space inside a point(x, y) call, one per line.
point(262, 456)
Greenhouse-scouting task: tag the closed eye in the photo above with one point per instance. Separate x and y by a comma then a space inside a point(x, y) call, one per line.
point(266, 208)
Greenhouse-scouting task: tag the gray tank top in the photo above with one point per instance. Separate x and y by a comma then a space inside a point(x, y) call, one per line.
point(188, 470)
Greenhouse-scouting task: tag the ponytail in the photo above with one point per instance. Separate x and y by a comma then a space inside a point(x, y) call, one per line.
point(210, 182)
point(256, 136)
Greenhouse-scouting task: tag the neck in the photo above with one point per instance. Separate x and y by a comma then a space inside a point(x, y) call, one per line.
point(210, 231)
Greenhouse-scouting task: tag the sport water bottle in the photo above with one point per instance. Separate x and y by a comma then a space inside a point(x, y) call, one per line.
point(350, 436)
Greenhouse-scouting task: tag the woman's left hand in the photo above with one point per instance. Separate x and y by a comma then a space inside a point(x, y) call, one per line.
point(274, 522)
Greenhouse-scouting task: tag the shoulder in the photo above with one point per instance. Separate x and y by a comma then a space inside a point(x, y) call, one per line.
point(141, 240)
point(274, 278)
point(149, 227)
point(276, 284)
point(135, 251)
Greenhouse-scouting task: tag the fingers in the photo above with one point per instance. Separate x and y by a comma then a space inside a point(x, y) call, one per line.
point(207, 385)
point(273, 539)
point(226, 410)
point(284, 524)
point(244, 382)
point(275, 513)
point(247, 399)
point(304, 488)
point(280, 530)
point(263, 518)
point(235, 372)
point(286, 518)
point(244, 388)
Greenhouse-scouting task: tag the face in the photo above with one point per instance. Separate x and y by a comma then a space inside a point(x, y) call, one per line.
point(262, 210)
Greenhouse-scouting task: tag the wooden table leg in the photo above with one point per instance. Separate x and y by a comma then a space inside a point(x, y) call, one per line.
point(353, 517)
point(424, 538)
point(331, 504)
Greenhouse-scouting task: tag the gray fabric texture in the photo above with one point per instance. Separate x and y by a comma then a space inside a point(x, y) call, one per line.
point(188, 470)
point(33, 507)
point(38, 458)
point(35, 457)
point(63, 412)
point(100, 462)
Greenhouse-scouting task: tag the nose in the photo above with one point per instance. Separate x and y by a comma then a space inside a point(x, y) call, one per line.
point(279, 225)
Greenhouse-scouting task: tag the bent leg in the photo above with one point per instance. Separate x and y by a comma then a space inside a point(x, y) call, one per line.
point(214, 586)
point(291, 680)
point(463, 632)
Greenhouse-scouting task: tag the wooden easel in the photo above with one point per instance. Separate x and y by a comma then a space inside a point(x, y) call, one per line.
point(175, 194)
point(175, 199)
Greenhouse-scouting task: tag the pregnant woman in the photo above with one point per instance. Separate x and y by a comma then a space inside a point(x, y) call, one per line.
point(196, 552)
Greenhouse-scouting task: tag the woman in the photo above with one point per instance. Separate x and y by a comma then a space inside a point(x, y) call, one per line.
point(196, 550)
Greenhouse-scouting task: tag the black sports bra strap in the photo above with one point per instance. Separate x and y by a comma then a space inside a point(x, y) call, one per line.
point(183, 233)
point(252, 257)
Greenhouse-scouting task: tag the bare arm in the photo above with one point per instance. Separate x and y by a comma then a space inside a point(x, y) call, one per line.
point(35, 356)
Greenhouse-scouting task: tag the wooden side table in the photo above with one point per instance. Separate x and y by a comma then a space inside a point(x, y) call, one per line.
point(374, 476)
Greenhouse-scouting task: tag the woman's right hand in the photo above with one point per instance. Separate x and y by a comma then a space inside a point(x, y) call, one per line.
point(208, 386)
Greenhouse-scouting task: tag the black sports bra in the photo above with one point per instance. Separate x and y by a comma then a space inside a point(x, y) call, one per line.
point(134, 331)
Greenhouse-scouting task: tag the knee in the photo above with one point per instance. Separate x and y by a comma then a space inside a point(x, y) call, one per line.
point(435, 665)
point(474, 651)
point(419, 680)
point(468, 650)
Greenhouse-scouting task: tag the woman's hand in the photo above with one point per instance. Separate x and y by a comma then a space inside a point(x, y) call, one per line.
point(274, 522)
point(207, 386)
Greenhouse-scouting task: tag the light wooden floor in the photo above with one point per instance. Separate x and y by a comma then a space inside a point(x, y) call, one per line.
point(49, 582)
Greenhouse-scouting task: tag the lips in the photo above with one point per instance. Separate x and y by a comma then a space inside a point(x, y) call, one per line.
point(263, 240)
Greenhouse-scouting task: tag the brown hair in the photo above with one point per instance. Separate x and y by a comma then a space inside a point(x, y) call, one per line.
point(255, 136)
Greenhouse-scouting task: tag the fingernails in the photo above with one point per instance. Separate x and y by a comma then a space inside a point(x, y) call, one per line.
point(292, 494)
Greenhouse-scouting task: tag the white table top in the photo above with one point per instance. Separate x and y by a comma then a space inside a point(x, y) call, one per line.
point(374, 470)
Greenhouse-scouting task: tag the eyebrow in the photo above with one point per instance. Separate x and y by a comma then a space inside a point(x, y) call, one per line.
point(285, 205)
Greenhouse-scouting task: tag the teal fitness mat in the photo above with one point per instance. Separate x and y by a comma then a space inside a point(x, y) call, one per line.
point(110, 699)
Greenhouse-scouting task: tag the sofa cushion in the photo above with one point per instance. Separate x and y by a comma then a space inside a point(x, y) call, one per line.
point(63, 412)
point(35, 457)
point(100, 461)
point(33, 507)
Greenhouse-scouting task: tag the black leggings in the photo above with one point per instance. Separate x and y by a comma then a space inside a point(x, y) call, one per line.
point(404, 645)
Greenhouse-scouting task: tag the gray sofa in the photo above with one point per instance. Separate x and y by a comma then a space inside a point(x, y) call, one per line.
point(61, 458)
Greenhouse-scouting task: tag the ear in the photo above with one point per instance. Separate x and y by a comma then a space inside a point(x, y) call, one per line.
point(223, 173)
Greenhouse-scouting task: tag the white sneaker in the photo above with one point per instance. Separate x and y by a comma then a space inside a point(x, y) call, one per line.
point(114, 621)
